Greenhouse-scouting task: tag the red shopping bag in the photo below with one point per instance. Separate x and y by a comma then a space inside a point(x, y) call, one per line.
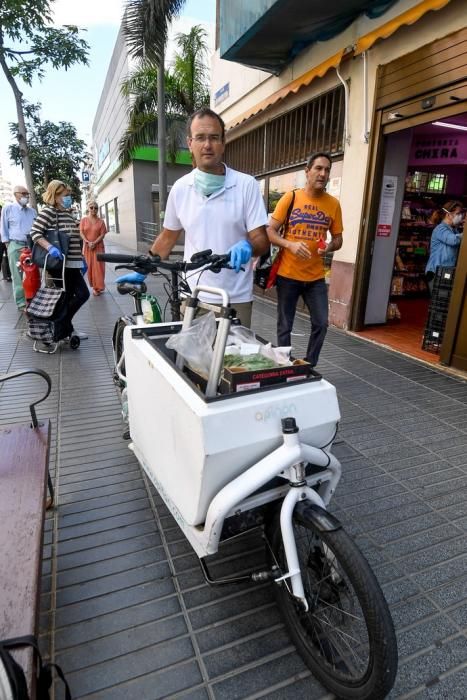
point(274, 270)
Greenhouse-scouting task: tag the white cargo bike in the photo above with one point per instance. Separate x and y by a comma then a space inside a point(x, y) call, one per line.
point(226, 463)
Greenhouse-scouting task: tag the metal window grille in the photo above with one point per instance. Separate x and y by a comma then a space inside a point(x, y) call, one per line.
point(247, 153)
point(289, 139)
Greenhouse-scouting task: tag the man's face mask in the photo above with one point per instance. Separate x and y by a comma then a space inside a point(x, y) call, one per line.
point(207, 183)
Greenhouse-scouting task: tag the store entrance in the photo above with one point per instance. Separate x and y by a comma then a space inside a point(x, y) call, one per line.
point(425, 167)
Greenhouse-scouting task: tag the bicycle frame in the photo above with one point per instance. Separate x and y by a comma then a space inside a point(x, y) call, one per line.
point(287, 461)
point(137, 319)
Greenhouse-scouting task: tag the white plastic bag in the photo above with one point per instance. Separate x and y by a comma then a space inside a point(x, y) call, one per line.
point(241, 334)
point(280, 355)
point(195, 343)
point(242, 341)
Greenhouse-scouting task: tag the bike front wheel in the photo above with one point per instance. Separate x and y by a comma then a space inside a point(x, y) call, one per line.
point(346, 637)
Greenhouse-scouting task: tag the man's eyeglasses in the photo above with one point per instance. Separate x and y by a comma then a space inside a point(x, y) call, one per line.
point(201, 138)
point(23, 194)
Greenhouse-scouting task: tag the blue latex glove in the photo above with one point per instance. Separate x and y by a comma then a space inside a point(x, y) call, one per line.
point(132, 277)
point(240, 254)
point(55, 252)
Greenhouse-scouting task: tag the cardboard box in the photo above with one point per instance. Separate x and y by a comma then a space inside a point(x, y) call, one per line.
point(235, 379)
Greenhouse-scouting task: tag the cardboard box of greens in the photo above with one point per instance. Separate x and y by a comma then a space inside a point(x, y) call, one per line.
point(236, 379)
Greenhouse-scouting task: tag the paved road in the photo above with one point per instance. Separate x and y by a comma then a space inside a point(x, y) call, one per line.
point(124, 606)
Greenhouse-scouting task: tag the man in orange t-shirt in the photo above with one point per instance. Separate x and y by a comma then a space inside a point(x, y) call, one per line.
point(301, 270)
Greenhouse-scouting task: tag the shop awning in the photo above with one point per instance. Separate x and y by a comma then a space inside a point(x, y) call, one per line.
point(269, 34)
point(388, 28)
point(305, 79)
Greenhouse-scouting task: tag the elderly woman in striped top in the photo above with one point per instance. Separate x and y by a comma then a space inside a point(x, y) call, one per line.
point(57, 214)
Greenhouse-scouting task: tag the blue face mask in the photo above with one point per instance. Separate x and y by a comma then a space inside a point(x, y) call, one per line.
point(207, 183)
point(67, 201)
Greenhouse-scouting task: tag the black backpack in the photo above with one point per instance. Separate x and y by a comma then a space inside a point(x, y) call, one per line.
point(13, 684)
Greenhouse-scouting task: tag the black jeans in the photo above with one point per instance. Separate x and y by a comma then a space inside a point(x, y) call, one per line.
point(315, 296)
point(77, 292)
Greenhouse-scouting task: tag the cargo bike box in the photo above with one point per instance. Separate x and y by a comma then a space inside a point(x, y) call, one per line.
point(192, 445)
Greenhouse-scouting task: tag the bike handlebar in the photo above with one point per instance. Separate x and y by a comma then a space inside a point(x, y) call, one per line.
point(151, 263)
point(114, 258)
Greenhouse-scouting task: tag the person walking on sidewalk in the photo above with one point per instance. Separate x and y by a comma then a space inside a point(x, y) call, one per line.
point(15, 224)
point(92, 230)
point(219, 209)
point(303, 246)
point(56, 214)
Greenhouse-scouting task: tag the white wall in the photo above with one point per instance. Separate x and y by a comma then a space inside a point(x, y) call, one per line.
point(125, 194)
point(384, 249)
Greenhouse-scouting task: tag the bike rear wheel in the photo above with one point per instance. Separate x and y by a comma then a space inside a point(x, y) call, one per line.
point(347, 636)
point(117, 343)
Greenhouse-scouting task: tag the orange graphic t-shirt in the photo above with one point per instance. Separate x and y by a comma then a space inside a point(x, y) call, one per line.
point(310, 220)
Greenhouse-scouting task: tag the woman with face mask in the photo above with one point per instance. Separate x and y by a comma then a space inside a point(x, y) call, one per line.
point(445, 239)
point(56, 214)
point(93, 230)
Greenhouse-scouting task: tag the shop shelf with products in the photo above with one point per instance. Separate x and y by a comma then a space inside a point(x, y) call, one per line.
point(412, 249)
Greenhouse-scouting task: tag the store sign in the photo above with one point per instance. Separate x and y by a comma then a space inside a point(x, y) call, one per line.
point(438, 150)
point(221, 94)
point(386, 206)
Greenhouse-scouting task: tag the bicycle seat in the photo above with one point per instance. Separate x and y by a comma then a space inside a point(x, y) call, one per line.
point(129, 288)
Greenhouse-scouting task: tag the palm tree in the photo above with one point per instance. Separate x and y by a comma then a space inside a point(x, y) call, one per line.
point(145, 27)
point(190, 68)
point(186, 90)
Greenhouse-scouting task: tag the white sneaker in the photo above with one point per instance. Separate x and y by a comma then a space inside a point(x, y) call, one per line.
point(81, 335)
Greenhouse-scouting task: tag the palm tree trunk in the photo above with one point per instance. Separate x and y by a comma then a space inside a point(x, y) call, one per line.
point(22, 140)
point(162, 141)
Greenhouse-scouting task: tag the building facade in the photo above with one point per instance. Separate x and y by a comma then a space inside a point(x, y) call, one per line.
point(366, 82)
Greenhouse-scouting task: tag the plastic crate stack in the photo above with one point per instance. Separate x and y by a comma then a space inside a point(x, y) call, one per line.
point(438, 310)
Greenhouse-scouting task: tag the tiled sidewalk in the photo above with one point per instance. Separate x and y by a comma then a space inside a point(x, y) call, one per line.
point(124, 606)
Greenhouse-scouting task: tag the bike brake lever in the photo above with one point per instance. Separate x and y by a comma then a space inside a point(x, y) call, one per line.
point(133, 268)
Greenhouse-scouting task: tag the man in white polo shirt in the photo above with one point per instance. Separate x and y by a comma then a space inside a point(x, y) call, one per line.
point(218, 208)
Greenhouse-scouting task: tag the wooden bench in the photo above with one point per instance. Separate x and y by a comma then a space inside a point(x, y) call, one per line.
point(24, 476)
